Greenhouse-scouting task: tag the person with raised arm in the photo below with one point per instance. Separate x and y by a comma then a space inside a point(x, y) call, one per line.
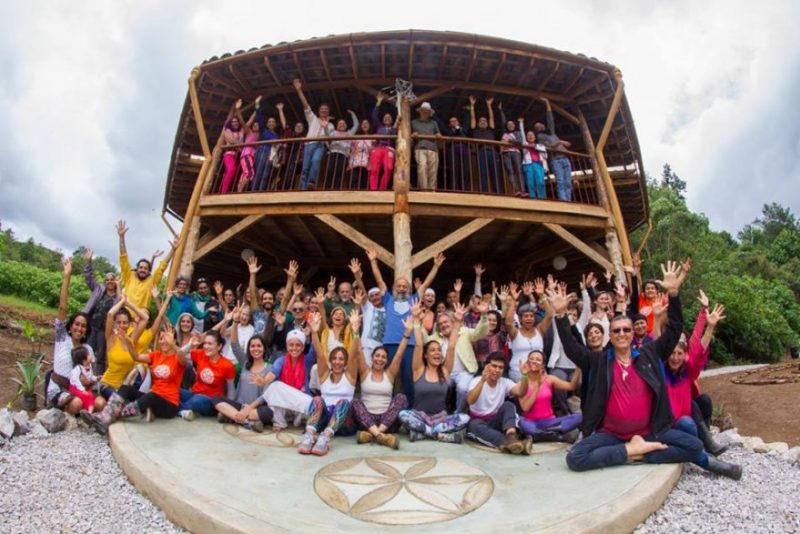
point(215, 375)
point(70, 334)
point(534, 160)
point(267, 131)
point(318, 126)
point(456, 153)
point(247, 156)
point(683, 369)
point(232, 134)
point(119, 325)
point(101, 300)
point(381, 158)
point(398, 305)
point(510, 154)
point(626, 413)
point(428, 417)
point(137, 284)
point(340, 150)
point(559, 162)
point(528, 336)
point(373, 313)
point(483, 129)
point(358, 159)
point(377, 409)
point(182, 302)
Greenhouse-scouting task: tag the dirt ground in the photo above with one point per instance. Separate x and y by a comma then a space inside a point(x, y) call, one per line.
point(768, 411)
point(14, 346)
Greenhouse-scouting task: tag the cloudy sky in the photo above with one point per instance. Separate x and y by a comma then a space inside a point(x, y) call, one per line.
point(90, 94)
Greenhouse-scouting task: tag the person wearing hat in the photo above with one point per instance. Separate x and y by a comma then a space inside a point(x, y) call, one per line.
point(426, 152)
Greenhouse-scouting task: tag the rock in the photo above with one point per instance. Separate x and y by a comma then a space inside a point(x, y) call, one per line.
point(53, 420)
point(714, 429)
point(6, 424)
point(731, 438)
point(793, 455)
point(72, 423)
point(777, 446)
point(753, 442)
point(21, 423)
point(37, 429)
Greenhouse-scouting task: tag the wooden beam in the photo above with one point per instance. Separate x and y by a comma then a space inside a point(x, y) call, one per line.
point(401, 216)
point(206, 238)
point(310, 235)
point(433, 93)
point(588, 85)
point(271, 71)
point(573, 81)
point(353, 64)
point(612, 112)
point(410, 60)
point(548, 78)
point(357, 237)
point(471, 64)
point(525, 72)
point(448, 241)
point(499, 68)
point(576, 242)
point(246, 87)
point(226, 235)
point(563, 112)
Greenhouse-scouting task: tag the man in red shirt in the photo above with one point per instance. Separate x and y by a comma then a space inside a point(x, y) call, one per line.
point(627, 415)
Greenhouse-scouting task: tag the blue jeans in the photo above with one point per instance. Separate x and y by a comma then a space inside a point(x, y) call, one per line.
point(687, 425)
point(534, 179)
point(263, 168)
point(562, 168)
point(405, 369)
point(601, 449)
point(312, 156)
point(487, 169)
point(197, 403)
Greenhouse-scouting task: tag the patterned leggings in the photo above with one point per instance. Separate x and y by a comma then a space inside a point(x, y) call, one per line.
point(366, 419)
point(431, 425)
point(337, 418)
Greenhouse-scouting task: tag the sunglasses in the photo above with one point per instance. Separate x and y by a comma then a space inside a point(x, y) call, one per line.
point(625, 330)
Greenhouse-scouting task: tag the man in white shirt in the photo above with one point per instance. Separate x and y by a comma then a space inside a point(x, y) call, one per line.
point(318, 126)
point(493, 419)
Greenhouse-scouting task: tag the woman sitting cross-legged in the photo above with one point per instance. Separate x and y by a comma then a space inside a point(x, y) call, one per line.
point(376, 411)
point(252, 382)
point(162, 400)
point(431, 376)
point(328, 413)
point(215, 375)
point(538, 419)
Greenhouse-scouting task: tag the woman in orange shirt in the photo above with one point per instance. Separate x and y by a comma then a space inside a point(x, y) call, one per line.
point(166, 364)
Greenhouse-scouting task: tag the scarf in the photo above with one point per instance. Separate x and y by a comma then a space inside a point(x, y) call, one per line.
point(294, 374)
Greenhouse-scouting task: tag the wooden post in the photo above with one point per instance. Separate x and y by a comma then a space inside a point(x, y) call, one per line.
point(401, 219)
point(602, 194)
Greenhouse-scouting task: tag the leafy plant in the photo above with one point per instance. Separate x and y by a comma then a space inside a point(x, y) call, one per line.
point(29, 380)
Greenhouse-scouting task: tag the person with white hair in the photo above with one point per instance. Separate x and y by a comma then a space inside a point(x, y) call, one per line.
point(426, 152)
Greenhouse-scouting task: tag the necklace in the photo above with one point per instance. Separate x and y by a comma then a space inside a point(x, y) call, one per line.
point(625, 367)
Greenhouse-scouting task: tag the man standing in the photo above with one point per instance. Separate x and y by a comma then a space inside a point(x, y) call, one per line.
point(318, 126)
point(559, 162)
point(101, 300)
point(203, 301)
point(426, 152)
point(137, 283)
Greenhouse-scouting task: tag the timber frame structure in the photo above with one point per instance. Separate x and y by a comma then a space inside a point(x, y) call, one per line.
point(322, 229)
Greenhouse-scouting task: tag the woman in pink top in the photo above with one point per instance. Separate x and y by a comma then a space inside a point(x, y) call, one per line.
point(232, 134)
point(683, 368)
point(247, 158)
point(358, 164)
point(538, 419)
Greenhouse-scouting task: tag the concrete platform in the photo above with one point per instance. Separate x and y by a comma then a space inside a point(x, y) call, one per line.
point(209, 477)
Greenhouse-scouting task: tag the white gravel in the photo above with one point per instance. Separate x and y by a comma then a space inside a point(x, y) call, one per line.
point(70, 482)
point(766, 499)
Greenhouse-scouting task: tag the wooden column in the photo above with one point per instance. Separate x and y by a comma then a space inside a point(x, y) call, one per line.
point(617, 238)
point(401, 219)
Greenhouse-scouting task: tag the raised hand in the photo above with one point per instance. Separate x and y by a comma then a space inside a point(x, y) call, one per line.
point(686, 266)
point(157, 254)
point(637, 262)
point(315, 322)
point(359, 296)
point(170, 294)
point(504, 293)
point(672, 280)
point(372, 254)
point(408, 324)
point(196, 340)
point(513, 291)
point(660, 304)
point(252, 265)
point(417, 283)
point(703, 299)
point(479, 270)
point(167, 335)
point(87, 254)
point(332, 285)
point(621, 291)
point(122, 228)
point(298, 290)
point(528, 288)
point(218, 286)
point(279, 106)
point(67, 263)
point(439, 260)
point(416, 308)
point(525, 367)
point(608, 276)
point(280, 317)
point(236, 314)
point(551, 282)
point(472, 99)
point(238, 104)
point(154, 292)
point(355, 319)
point(483, 307)
point(717, 315)
point(558, 300)
point(258, 100)
point(355, 267)
point(319, 296)
point(489, 100)
point(459, 310)
point(291, 271)
point(457, 285)
point(380, 97)
point(538, 287)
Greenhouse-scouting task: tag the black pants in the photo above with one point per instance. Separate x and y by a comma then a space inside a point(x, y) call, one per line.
point(160, 406)
point(264, 412)
point(702, 409)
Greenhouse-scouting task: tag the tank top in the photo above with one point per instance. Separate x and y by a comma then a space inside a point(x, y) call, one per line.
point(120, 364)
point(376, 396)
point(429, 397)
point(521, 346)
point(542, 407)
point(333, 392)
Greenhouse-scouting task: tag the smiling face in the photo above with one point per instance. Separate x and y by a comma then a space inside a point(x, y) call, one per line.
point(536, 361)
point(77, 330)
point(433, 354)
point(235, 124)
point(445, 324)
point(376, 299)
point(594, 338)
point(603, 301)
point(640, 328)
point(272, 123)
point(530, 137)
point(379, 359)
point(452, 298)
point(338, 317)
point(387, 119)
point(345, 291)
point(299, 127)
point(341, 125)
point(267, 301)
point(483, 123)
point(440, 308)
point(185, 324)
point(294, 348)
point(211, 347)
point(182, 287)
point(228, 296)
point(429, 299)
point(110, 282)
point(337, 361)
point(527, 320)
point(677, 358)
point(121, 322)
point(401, 287)
point(510, 126)
point(202, 288)
point(650, 290)
point(492, 318)
point(495, 371)
point(324, 111)
point(256, 348)
point(621, 334)
point(142, 270)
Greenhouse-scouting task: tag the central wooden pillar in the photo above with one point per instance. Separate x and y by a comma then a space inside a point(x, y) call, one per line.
point(401, 219)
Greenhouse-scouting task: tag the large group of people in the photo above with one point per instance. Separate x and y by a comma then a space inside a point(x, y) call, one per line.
point(607, 368)
point(507, 156)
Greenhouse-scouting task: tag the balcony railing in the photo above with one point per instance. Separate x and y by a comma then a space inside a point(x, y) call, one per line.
point(465, 165)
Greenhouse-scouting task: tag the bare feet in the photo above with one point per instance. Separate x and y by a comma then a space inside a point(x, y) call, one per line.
point(637, 447)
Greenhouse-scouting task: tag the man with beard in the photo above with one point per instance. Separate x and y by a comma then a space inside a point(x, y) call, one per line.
point(137, 283)
point(263, 305)
point(397, 304)
point(102, 299)
point(203, 300)
point(373, 312)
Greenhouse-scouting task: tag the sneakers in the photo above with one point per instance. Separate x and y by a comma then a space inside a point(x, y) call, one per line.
point(388, 440)
point(186, 415)
point(413, 435)
point(148, 416)
point(512, 445)
point(307, 443)
point(571, 436)
point(527, 443)
point(224, 419)
point(255, 426)
point(364, 437)
point(322, 446)
point(452, 437)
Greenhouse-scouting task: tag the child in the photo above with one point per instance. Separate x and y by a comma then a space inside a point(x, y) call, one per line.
point(81, 377)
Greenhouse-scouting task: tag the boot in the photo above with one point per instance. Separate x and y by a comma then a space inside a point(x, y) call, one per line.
point(711, 446)
point(109, 414)
point(130, 410)
point(546, 437)
point(512, 445)
point(725, 469)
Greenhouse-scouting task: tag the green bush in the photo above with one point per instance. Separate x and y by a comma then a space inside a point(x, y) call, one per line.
point(40, 285)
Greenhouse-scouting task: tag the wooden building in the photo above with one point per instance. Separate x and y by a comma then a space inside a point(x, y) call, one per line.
point(323, 228)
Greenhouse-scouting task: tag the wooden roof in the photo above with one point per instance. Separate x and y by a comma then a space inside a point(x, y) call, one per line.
point(345, 70)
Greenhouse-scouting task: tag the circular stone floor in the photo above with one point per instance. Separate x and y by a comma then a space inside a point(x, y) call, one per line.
point(209, 477)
